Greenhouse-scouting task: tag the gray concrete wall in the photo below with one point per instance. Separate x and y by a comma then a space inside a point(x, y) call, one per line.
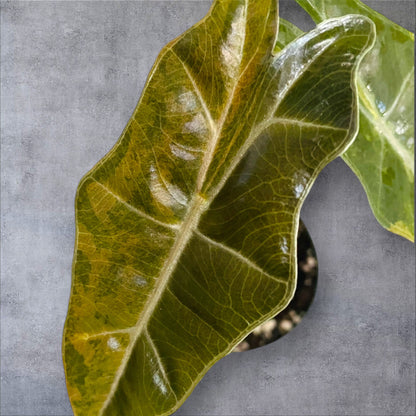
point(72, 73)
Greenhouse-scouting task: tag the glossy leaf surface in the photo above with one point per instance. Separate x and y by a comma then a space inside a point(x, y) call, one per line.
point(382, 155)
point(186, 230)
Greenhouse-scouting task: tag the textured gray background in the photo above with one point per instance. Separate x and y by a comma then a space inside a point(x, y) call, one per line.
point(72, 73)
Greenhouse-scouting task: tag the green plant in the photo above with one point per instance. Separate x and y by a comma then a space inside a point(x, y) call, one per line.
point(186, 230)
point(382, 155)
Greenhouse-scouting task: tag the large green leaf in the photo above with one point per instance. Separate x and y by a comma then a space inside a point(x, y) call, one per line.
point(186, 230)
point(382, 156)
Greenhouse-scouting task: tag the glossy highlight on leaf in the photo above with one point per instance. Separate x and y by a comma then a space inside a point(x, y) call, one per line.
point(186, 230)
point(382, 155)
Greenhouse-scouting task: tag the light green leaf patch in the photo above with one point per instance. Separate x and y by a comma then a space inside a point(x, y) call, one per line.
point(382, 156)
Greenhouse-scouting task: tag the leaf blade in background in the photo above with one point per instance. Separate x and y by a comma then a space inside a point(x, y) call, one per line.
point(382, 156)
point(186, 230)
point(288, 32)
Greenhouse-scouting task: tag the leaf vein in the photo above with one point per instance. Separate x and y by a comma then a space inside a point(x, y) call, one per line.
point(238, 255)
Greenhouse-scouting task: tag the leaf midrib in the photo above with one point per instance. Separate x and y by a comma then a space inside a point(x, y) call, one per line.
point(185, 233)
point(190, 222)
point(385, 129)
